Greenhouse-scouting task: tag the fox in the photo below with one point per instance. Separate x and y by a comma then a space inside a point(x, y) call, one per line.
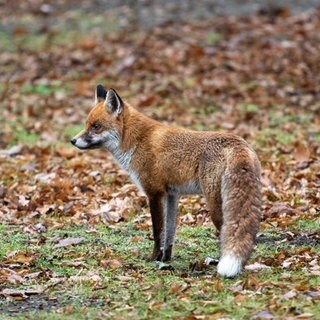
point(166, 162)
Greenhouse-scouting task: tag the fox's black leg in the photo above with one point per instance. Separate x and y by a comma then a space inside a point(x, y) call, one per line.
point(156, 209)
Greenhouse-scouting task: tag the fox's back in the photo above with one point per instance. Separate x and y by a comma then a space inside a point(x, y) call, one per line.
point(175, 155)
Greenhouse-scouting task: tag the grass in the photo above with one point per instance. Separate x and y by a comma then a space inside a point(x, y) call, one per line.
point(269, 135)
point(20, 133)
point(22, 136)
point(117, 282)
point(32, 42)
point(248, 108)
point(42, 89)
point(277, 118)
point(306, 223)
point(213, 38)
point(12, 241)
point(70, 131)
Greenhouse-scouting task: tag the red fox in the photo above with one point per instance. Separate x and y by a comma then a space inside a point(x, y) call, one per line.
point(165, 162)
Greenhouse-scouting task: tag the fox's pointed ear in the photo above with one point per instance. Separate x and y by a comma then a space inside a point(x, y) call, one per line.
point(100, 94)
point(113, 103)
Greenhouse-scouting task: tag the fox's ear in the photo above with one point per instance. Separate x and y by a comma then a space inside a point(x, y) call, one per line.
point(100, 94)
point(113, 103)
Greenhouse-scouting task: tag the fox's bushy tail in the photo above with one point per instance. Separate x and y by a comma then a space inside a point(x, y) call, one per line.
point(241, 206)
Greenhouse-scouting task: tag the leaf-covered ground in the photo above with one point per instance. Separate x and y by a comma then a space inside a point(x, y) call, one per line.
point(75, 232)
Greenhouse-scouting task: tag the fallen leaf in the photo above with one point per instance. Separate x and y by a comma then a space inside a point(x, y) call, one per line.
point(13, 151)
point(21, 293)
point(256, 266)
point(68, 242)
point(72, 263)
point(281, 210)
point(19, 257)
point(289, 295)
point(315, 295)
point(87, 43)
point(250, 283)
point(45, 177)
point(301, 153)
point(264, 314)
point(67, 153)
point(305, 315)
point(15, 278)
point(13, 293)
point(90, 277)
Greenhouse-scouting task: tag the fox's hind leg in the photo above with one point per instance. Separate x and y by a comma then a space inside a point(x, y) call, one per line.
point(214, 204)
point(214, 207)
point(210, 181)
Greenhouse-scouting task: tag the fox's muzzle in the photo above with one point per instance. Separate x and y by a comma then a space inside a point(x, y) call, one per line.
point(85, 143)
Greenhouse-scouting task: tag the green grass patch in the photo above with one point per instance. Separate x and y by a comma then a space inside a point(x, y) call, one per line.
point(20, 132)
point(71, 130)
point(316, 136)
point(248, 108)
point(305, 223)
point(268, 136)
point(25, 137)
point(30, 41)
point(44, 89)
point(11, 240)
point(117, 281)
point(278, 118)
point(213, 37)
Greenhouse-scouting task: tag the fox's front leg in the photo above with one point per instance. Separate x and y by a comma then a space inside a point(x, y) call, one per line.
point(156, 210)
point(169, 225)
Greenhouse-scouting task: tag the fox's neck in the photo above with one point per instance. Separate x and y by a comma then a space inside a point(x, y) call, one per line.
point(135, 128)
point(123, 144)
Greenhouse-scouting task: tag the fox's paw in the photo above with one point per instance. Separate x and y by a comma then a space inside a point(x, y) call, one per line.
point(209, 261)
point(167, 254)
point(155, 256)
point(229, 266)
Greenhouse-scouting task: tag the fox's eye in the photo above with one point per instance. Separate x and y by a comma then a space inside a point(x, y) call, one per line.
point(96, 126)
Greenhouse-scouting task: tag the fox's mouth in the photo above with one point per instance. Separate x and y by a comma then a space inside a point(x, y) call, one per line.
point(95, 145)
point(86, 145)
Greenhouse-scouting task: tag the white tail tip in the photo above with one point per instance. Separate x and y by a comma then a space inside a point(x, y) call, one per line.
point(229, 266)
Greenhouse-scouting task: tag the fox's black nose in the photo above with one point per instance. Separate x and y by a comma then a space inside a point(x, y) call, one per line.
point(73, 141)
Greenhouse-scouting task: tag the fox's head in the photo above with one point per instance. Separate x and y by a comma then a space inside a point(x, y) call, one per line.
point(104, 122)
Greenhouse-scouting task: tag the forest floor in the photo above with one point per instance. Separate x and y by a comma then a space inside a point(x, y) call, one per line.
point(75, 231)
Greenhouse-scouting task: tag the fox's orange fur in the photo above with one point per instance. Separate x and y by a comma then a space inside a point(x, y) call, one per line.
point(166, 161)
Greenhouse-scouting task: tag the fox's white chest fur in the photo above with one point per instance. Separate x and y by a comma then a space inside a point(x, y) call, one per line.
point(112, 144)
point(123, 158)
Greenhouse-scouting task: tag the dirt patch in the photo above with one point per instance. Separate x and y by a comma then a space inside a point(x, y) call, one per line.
point(312, 239)
point(301, 239)
point(33, 303)
point(262, 238)
point(42, 302)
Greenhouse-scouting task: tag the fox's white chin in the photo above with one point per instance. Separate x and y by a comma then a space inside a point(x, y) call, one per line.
point(81, 144)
